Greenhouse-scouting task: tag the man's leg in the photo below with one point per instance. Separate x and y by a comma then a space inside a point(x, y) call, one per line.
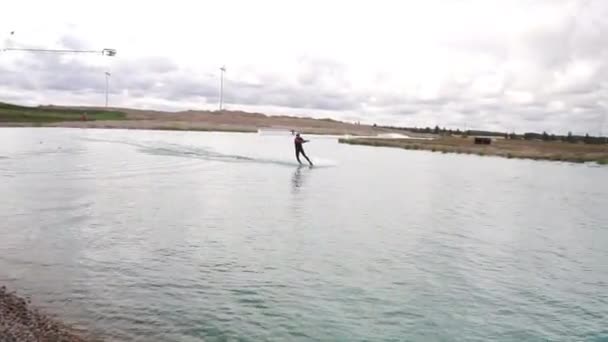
point(298, 155)
point(305, 156)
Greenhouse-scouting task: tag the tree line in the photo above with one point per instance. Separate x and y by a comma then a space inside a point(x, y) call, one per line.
point(544, 136)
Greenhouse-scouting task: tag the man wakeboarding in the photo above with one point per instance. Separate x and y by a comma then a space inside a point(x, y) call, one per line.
point(298, 141)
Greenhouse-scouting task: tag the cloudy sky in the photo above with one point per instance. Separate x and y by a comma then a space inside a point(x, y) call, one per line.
point(487, 64)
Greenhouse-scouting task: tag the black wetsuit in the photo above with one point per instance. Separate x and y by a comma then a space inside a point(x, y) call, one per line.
point(298, 141)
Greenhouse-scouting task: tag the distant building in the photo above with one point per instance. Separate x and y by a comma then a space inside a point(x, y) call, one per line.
point(482, 140)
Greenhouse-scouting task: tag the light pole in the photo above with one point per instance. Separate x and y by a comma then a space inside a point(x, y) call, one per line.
point(7, 41)
point(107, 86)
point(222, 71)
point(603, 119)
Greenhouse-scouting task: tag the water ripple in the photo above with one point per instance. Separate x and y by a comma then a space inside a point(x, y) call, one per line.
point(162, 236)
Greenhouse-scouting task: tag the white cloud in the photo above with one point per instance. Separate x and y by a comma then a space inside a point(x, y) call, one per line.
point(519, 97)
point(485, 63)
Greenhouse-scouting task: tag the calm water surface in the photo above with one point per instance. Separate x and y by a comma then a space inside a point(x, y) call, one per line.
point(184, 236)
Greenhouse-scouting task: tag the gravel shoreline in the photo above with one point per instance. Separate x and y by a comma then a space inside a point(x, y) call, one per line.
point(20, 322)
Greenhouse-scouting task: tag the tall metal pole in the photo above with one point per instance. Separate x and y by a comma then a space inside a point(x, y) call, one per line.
point(222, 70)
point(603, 121)
point(107, 86)
point(7, 40)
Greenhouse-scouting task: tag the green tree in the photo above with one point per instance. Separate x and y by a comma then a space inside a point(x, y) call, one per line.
point(587, 139)
point(570, 137)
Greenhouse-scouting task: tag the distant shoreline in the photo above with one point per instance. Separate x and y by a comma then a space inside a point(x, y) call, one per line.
point(173, 126)
point(244, 122)
point(125, 118)
point(521, 149)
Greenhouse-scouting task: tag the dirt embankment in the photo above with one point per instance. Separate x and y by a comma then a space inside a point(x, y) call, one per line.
point(232, 121)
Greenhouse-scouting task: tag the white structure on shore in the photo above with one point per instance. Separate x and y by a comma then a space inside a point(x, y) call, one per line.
point(275, 131)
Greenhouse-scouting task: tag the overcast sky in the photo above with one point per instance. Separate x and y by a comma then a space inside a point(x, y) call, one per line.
point(488, 64)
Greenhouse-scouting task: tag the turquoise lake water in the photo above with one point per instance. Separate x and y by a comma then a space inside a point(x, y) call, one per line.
point(189, 236)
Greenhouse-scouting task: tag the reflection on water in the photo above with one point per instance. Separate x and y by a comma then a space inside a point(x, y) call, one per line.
point(299, 177)
point(184, 236)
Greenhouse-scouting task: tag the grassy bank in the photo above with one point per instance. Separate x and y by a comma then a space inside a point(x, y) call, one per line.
point(10, 113)
point(537, 150)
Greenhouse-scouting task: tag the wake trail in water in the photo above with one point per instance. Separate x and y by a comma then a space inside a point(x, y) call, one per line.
point(204, 153)
point(207, 154)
